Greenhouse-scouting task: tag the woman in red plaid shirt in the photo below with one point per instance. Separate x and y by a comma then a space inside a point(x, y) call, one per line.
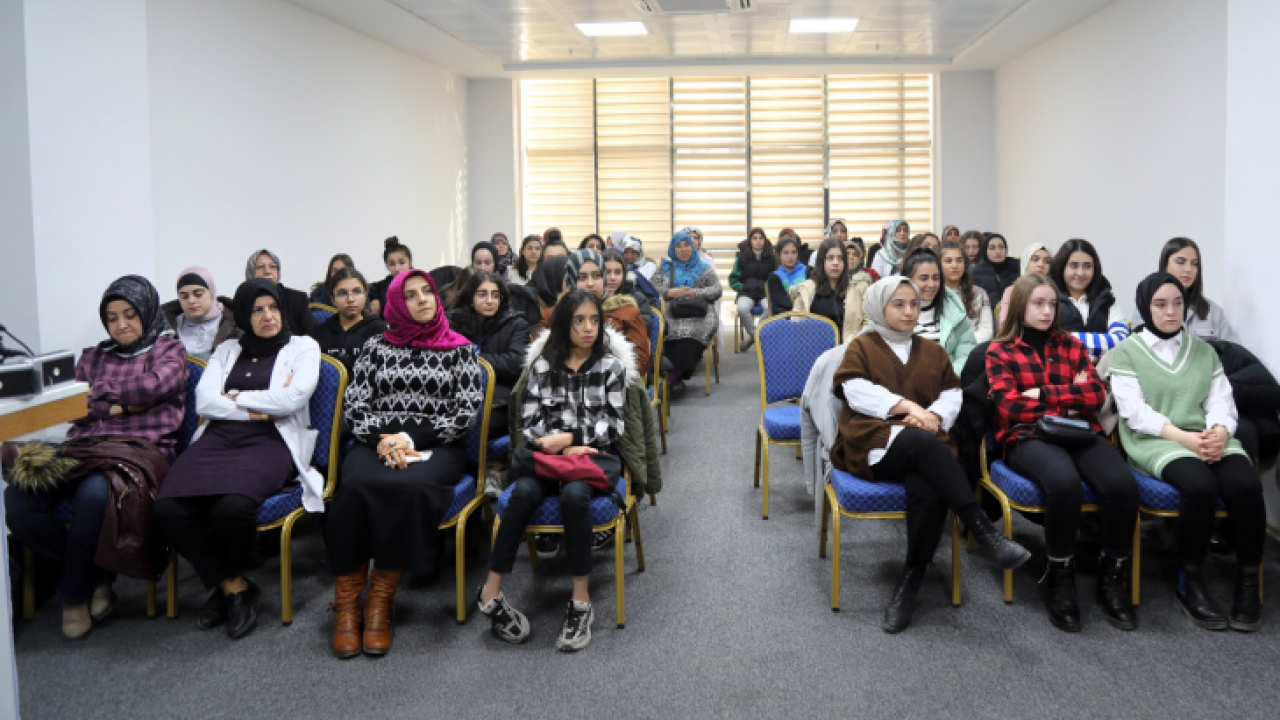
point(1036, 369)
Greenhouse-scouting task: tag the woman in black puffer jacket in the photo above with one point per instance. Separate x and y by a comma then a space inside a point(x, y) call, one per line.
point(483, 314)
point(996, 269)
point(750, 277)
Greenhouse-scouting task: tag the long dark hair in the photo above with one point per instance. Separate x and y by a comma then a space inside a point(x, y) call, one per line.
point(1059, 267)
point(925, 256)
point(784, 242)
point(391, 246)
point(611, 255)
point(345, 273)
point(521, 265)
point(1195, 293)
point(966, 283)
point(766, 251)
point(820, 269)
point(560, 339)
point(582, 245)
point(470, 321)
point(347, 262)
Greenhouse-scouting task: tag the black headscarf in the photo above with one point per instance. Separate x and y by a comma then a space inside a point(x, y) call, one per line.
point(548, 279)
point(1003, 266)
point(493, 251)
point(141, 294)
point(242, 308)
point(1147, 290)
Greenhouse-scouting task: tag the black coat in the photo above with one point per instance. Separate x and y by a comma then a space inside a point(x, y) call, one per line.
point(1099, 311)
point(503, 342)
point(524, 301)
point(345, 346)
point(994, 280)
point(1255, 390)
point(296, 311)
point(753, 272)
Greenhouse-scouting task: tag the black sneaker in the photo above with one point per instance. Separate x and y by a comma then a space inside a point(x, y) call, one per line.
point(576, 633)
point(603, 540)
point(507, 623)
point(547, 545)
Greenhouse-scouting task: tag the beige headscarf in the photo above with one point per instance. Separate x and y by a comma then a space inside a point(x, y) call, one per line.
point(1030, 250)
point(875, 301)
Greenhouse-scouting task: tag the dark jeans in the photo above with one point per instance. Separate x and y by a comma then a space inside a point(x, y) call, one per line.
point(1201, 484)
point(215, 533)
point(529, 492)
point(935, 483)
point(31, 519)
point(1059, 471)
point(684, 355)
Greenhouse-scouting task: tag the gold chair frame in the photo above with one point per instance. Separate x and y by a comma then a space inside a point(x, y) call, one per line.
point(661, 399)
point(459, 522)
point(322, 306)
point(763, 441)
point(737, 321)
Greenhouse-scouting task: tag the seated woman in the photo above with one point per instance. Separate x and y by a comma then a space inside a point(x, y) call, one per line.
point(942, 317)
point(1035, 258)
point(397, 257)
point(1177, 419)
point(893, 248)
point(137, 390)
point(785, 281)
point(995, 270)
point(929, 241)
point(504, 257)
point(416, 391)
point(618, 280)
point(633, 252)
point(482, 313)
point(972, 242)
point(951, 233)
point(695, 236)
point(894, 429)
point(294, 305)
point(553, 249)
point(592, 242)
point(832, 293)
point(855, 253)
point(527, 263)
point(484, 256)
point(1089, 310)
point(343, 336)
point(582, 271)
point(1180, 257)
point(955, 274)
point(574, 405)
point(1034, 370)
point(199, 316)
point(320, 291)
point(751, 270)
point(255, 394)
point(685, 276)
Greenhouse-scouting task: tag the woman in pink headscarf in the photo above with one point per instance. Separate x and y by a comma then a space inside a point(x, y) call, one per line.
point(415, 391)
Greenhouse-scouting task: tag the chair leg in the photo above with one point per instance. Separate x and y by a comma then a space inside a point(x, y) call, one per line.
point(799, 449)
point(764, 472)
point(635, 530)
point(533, 551)
point(737, 333)
point(151, 598)
point(756, 477)
point(955, 560)
point(977, 496)
point(1008, 532)
point(662, 425)
point(28, 584)
point(822, 527)
point(620, 571)
point(172, 599)
point(1135, 565)
point(835, 558)
point(460, 565)
point(653, 500)
point(715, 354)
point(707, 362)
point(286, 569)
point(1260, 577)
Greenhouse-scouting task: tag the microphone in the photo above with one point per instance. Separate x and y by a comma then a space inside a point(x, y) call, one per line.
point(13, 353)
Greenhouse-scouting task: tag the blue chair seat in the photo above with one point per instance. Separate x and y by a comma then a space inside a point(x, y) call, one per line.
point(782, 423)
point(498, 448)
point(463, 493)
point(863, 496)
point(279, 505)
point(650, 390)
point(603, 509)
point(1023, 491)
point(757, 309)
point(1156, 494)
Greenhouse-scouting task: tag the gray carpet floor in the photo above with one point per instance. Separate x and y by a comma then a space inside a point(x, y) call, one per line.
point(730, 619)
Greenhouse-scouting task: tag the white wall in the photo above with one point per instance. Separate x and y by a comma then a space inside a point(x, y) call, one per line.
point(17, 244)
point(1114, 131)
point(492, 170)
point(272, 126)
point(965, 159)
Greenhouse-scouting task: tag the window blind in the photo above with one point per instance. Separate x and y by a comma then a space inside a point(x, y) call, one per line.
point(788, 155)
point(633, 136)
point(558, 127)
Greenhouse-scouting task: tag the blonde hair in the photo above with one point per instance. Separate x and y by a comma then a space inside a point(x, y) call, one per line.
point(1015, 319)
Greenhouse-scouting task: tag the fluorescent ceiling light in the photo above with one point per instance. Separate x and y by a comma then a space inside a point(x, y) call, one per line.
point(612, 29)
point(823, 25)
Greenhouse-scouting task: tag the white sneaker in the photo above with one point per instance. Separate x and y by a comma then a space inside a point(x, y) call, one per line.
point(493, 484)
point(576, 633)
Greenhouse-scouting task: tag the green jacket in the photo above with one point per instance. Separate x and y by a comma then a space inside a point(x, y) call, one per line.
point(956, 332)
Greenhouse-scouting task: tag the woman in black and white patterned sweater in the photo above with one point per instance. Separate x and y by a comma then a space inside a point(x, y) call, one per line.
point(416, 390)
point(574, 404)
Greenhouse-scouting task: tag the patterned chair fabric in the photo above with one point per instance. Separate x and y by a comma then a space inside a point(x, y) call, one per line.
point(782, 423)
point(499, 448)
point(863, 496)
point(1158, 495)
point(789, 347)
point(603, 509)
point(321, 313)
point(1025, 492)
point(471, 441)
point(463, 493)
point(278, 506)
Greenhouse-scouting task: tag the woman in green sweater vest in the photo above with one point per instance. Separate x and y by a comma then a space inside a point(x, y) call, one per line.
point(1177, 421)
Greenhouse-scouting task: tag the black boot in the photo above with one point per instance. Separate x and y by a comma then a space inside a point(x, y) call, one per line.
point(1059, 588)
point(214, 611)
point(994, 545)
point(242, 613)
point(898, 615)
point(1112, 595)
point(1195, 602)
point(1246, 609)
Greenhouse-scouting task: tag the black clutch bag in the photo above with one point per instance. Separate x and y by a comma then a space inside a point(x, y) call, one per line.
point(1067, 432)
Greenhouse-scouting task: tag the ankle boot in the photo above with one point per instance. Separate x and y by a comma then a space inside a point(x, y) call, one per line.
point(898, 615)
point(379, 610)
point(995, 546)
point(1059, 588)
point(346, 611)
point(1195, 601)
point(1246, 610)
point(1112, 596)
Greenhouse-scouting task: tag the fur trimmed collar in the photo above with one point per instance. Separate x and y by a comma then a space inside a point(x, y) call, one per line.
point(616, 344)
point(617, 300)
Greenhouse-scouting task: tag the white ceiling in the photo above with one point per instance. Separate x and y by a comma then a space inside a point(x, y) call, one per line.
point(479, 38)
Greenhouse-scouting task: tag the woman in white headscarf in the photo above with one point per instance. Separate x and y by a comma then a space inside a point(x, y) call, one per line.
point(197, 316)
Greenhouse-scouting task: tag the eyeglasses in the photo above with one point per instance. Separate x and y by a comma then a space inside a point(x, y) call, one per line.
point(272, 267)
point(344, 294)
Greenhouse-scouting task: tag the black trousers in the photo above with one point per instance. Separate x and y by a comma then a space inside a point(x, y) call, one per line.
point(215, 533)
point(935, 483)
point(1201, 484)
point(1059, 471)
point(684, 355)
point(575, 502)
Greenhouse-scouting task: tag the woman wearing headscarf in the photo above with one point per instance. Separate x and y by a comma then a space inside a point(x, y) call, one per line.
point(415, 392)
point(1035, 258)
point(585, 270)
point(484, 256)
point(901, 397)
point(504, 257)
point(294, 304)
point(893, 248)
point(633, 250)
point(684, 275)
point(996, 268)
point(199, 316)
point(137, 391)
point(695, 236)
point(950, 233)
point(255, 394)
point(1177, 423)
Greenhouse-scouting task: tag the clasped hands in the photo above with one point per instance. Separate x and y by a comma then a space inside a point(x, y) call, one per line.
point(918, 417)
point(1208, 444)
point(562, 444)
point(395, 452)
point(1081, 378)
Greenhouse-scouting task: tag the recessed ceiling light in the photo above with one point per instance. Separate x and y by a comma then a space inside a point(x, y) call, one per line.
point(823, 25)
point(612, 29)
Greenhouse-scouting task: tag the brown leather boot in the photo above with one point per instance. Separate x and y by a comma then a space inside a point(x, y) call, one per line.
point(379, 610)
point(346, 611)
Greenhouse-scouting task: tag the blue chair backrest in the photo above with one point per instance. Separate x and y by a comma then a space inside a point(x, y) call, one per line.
point(320, 314)
point(325, 408)
point(473, 439)
point(652, 323)
point(190, 418)
point(789, 347)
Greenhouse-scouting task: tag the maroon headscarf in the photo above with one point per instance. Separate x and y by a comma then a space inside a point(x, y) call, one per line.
point(404, 331)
